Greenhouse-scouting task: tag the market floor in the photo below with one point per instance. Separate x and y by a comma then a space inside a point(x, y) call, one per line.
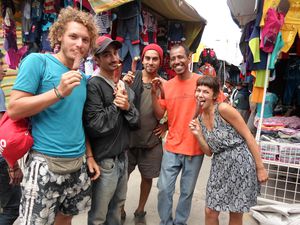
point(197, 212)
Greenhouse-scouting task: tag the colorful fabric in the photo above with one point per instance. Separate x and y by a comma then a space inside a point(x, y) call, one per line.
point(273, 23)
point(103, 5)
point(267, 5)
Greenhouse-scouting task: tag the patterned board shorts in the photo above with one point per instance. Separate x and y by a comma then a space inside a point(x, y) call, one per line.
point(44, 193)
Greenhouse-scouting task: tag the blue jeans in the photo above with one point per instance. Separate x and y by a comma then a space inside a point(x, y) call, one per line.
point(9, 197)
point(292, 92)
point(134, 50)
point(109, 192)
point(170, 168)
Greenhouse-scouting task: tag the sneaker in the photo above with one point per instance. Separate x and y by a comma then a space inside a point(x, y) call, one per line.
point(139, 218)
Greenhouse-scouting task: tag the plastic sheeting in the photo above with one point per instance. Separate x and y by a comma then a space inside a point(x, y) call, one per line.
point(282, 214)
point(242, 11)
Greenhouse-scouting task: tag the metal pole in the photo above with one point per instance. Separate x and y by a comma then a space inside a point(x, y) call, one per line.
point(257, 137)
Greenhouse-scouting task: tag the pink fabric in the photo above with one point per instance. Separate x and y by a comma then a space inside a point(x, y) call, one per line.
point(273, 22)
point(12, 58)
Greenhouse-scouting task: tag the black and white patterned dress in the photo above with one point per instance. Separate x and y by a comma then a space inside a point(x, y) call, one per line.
point(232, 184)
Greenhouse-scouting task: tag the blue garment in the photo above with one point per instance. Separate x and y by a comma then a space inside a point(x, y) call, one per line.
point(176, 33)
point(9, 196)
point(2, 101)
point(292, 92)
point(170, 169)
point(127, 46)
point(46, 45)
point(109, 192)
point(131, 27)
point(270, 102)
point(58, 129)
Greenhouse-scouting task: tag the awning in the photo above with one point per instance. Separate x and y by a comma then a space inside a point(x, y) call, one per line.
point(171, 10)
point(242, 11)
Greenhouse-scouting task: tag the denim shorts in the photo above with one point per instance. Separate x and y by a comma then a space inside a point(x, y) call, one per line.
point(44, 193)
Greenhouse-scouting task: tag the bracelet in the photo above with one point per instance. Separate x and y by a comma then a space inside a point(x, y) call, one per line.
point(89, 156)
point(58, 95)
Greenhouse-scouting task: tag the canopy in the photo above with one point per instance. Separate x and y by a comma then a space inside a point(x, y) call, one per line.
point(178, 10)
point(242, 11)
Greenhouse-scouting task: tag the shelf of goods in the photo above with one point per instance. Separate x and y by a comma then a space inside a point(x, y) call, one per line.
point(282, 161)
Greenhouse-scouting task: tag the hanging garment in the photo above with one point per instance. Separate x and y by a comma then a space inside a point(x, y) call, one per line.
point(273, 23)
point(291, 25)
point(176, 32)
point(267, 5)
point(149, 29)
point(104, 22)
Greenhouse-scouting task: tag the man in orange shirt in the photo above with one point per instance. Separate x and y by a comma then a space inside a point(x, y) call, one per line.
point(182, 152)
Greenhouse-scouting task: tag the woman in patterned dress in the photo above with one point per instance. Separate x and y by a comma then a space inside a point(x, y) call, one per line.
point(236, 167)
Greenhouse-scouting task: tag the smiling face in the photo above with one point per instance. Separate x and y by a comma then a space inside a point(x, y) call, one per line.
point(108, 60)
point(151, 61)
point(179, 60)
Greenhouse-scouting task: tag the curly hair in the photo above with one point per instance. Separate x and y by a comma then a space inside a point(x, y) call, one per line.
point(70, 14)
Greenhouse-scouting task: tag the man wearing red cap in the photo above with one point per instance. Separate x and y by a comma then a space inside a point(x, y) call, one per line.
point(108, 115)
point(145, 143)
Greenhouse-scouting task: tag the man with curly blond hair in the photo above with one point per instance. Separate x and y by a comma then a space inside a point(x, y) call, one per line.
point(52, 91)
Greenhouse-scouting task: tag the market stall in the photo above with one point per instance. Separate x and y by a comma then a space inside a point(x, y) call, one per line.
point(162, 22)
point(271, 53)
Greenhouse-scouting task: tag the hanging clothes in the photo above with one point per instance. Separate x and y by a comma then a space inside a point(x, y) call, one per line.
point(273, 23)
point(291, 26)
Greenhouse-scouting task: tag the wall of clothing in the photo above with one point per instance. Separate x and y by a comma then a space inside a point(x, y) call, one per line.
point(134, 24)
point(271, 49)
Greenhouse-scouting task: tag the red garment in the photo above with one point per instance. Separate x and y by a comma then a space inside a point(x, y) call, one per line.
point(208, 69)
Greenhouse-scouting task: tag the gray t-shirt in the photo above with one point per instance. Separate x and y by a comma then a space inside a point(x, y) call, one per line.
point(2, 101)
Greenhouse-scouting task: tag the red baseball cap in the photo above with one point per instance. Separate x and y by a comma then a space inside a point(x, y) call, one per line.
point(103, 42)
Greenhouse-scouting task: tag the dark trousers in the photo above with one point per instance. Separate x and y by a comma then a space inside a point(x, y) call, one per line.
point(9, 197)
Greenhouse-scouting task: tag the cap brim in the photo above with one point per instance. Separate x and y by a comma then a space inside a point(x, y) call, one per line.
point(101, 49)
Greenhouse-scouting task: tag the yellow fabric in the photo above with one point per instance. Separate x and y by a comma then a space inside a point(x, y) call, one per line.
point(293, 15)
point(103, 5)
point(291, 25)
point(196, 55)
point(254, 47)
point(260, 78)
point(289, 32)
point(257, 95)
point(268, 4)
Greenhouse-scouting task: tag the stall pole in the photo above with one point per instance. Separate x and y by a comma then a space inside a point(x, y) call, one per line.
point(257, 137)
point(224, 70)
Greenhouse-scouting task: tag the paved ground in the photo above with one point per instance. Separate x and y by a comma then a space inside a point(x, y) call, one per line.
point(197, 213)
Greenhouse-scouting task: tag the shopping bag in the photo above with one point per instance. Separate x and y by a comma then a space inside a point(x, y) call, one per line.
point(15, 138)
